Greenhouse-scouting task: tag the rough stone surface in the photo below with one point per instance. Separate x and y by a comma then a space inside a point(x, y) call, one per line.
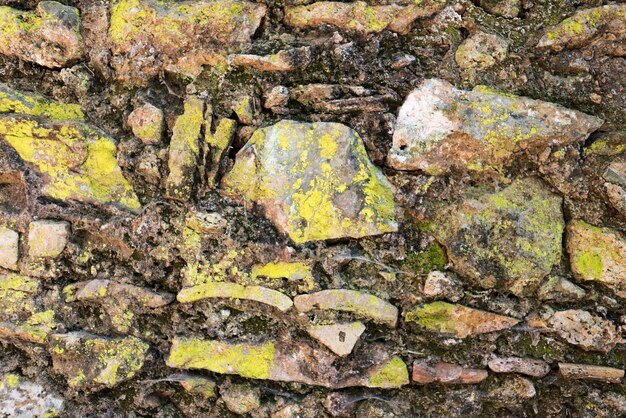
point(457, 320)
point(446, 373)
point(22, 398)
point(480, 51)
point(598, 255)
point(146, 121)
point(9, 248)
point(508, 240)
point(313, 181)
point(559, 289)
point(241, 399)
point(440, 127)
point(235, 291)
point(591, 372)
point(47, 238)
point(527, 366)
point(440, 285)
point(589, 332)
point(285, 60)
point(49, 35)
point(339, 338)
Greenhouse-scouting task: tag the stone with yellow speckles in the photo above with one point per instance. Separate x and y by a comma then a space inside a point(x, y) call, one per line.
point(508, 240)
point(313, 181)
point(440, 127)
point(9, 248)
point(91, 361)
point(22, 398)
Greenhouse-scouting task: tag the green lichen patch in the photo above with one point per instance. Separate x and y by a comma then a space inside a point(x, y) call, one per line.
point(297, 271)
point(392, 374)
point(13, 101)
point(252, 361)
point(433, 257)
point(235, 291)
point(17, 296)
point(314, 181)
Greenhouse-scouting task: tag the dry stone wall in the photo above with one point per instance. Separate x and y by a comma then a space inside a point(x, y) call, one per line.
point(307, 209)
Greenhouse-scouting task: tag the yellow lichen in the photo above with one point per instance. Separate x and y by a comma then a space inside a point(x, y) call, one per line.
point(392, 374)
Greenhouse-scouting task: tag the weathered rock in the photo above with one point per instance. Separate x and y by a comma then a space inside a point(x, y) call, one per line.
point(20, 398)
point(616, 172)
point(359, 16)
point(559, 289)
point(90, 361)
point(197, 385)
point(218, 143)
point(297, 271)
point(184, 150)
point(224, 290)
point(480, 51)
point(206, 222)
point(35, 329)
point(16, 295)
point(241, 399)
point(587, 26)
point(440, 127)
point(76, 161)
point(285, 60)
point(597, 254)
point(313, 181)
point(527, 366)
point(277, 98)
point(288, 360)
point(505, 8)
point(47, 238)
point(591, 372)
point(49, 36)
point(9, 248)
point(184, 37)
point(339, 338)
point(446, 373)
point(246, 109)
point(457, 320)
point(509, 240)
point(146, 121)
point(441, 285)
point(589, 332)
point(343, 98)
point(361, 304)
point(513, 389)
point(13, 101)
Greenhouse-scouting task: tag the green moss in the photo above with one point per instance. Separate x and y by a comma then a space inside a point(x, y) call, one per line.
point(589, 263)
point(436, 317)
point(252, 361)
point(392, 374)
point(433, 257)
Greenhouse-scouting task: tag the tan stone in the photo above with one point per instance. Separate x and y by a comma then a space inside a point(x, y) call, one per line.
point(9, 248)
point(47, 238)
point(587, 331)
point(146, 121)
point(446, 373)
point(285, 60)
point(591, 372)
point(527, 366)
point(339, 338)
point(481, 51)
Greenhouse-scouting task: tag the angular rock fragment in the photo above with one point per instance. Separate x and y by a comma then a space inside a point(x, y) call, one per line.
point(440, 127)
point(527, 366)
point(13, 101)
point(589, 25)
point(505, 8)
point(47, 238)
point(513, 389)
point(342, 98)
point(339, 338)
point(9, 248)
point(184, 150)
point(49, 36)
point(285, 60)
point(288, 361)
point(297, 271)
point(597, 254)
point(441, 285)
point(509, 240)
point(184, 36)
point(481, 51)
point(361, 304)
point(457, 320)
point(224, 290)
point(560, 290)
point(359, 16)
point(21, 398)
point(587, 331)
point(205, 222)
point(591, 372)
point(197, 385)
point(17, 295)
point(446, 373)
point(218, 143)
point(35, 329)
point(313, 181)
point(146, 121)
point(90, 361)
point(76, 161)
point(276, 99)
point(241, 399)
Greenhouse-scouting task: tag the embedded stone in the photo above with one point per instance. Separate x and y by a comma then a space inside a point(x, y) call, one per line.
point(527, 366)
point(17, 296)
point(76, 161)
point(241, 399)
point(146, 122)
point(456, 320)
point(441, 285)
point(47, 238)
point(206, 222)
point(90, 361)
point(481, 51)
point(360, 303)
point(505, 8)
point(297, 271)
point(197, 385)
point(225, 290)
point(313, 181)
point(587, 331)
point(49, 35)
point(597, 254)
point(591, 372)
point(559, 289)
point(285, 60)
point(35, 329)
point(339, 338)
point(289, 360)
point(218, 143)
point(440, 127)
point(508, 240)
point(9, 248)
point(13, 101)
point(589, 25)
point(513, 389)
point(184, 150)
point(446, 373)
point(359, 16)
point(21, 398)
point(183, 36)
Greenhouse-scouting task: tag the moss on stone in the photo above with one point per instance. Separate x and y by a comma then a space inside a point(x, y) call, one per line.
point(436, 317)
point(393, 374)
point(13, 101)
point(433, 257)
